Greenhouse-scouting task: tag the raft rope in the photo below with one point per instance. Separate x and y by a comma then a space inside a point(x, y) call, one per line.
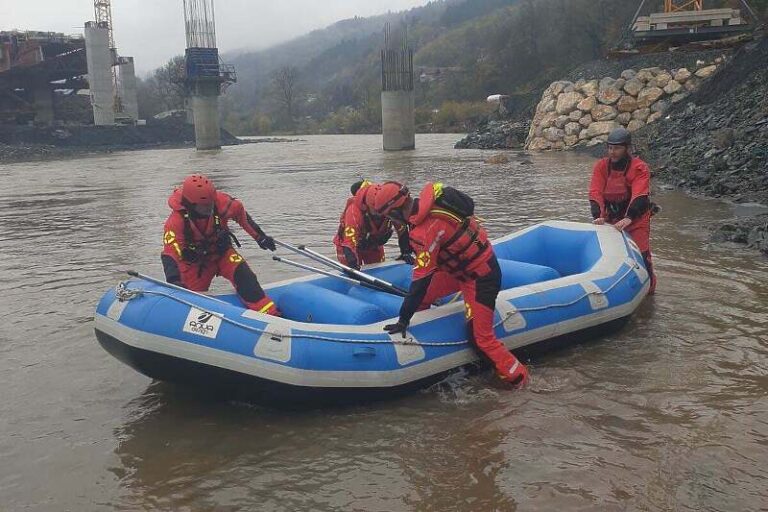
point(123, 294)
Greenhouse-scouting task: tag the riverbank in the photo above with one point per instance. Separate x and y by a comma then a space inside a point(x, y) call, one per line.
point(27, 144)
point(716, 142)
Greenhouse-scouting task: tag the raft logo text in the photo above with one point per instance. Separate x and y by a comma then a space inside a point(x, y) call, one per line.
point(202, 323)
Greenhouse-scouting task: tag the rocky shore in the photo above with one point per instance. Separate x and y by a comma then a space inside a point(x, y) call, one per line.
point(716, 142)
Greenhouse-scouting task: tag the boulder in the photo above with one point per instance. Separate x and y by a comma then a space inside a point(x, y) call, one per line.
point(499, 158)
point(558, 87)
point(659, 106)
point(653, 117)
point(624, 118)
point(633, 86)
point(607, 82)
point(572, 129)
point(706, 72)
point(649, 96)
point(619, 83)
point(587, 104)
point(672, 87)
point(554, 134)
point(604, 113)
point(586, 120)
point(576, 115)
point(661, 80)
point(583, 134)
point(678, 97)
point(569, 88)
point(548, 119)
point(567, 101)
point(547, 105)
point(654, 70)
point(539, 144)
point(641, 114)
point(681, 75)
point(590, 88)
point(600, 128)
point(627, 104)
point(644, 76)
point(571, 140)
point(635, 125)
point(628, 74)
point(608, 95)
point(561, 121)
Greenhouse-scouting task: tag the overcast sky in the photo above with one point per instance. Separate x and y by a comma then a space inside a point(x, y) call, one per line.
point(152, 31)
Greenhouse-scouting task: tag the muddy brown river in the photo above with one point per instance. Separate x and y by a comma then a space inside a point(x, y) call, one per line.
point(671, 413)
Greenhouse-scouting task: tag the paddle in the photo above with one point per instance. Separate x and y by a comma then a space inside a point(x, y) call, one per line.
point(355, 274)
point(326, 273)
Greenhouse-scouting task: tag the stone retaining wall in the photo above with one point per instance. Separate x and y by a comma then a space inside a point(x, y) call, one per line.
point(584, 112)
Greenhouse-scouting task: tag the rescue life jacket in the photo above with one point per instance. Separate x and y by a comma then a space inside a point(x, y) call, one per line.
point(372, 234)
point(617, 192)
point(466, 251)
point(213, 241)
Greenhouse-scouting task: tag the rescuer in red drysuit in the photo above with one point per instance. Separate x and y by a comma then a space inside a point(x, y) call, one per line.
point(361, 235)
point(452, 252)
point(619, 194)
point(197, 243)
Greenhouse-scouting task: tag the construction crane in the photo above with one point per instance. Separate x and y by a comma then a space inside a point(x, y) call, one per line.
point(686, 5)
point(103, 13)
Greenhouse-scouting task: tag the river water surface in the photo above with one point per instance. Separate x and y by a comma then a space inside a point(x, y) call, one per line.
point(669, 414)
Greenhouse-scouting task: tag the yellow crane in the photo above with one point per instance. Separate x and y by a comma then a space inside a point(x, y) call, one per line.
point(102, 10)
point(685, 5)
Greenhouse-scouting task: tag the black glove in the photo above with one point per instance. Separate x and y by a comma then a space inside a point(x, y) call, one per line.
point(407, 257)
point(267, 243)
point(351, 258)
point(399, 327)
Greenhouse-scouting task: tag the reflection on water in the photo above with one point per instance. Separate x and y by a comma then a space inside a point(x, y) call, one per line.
point(668, 414)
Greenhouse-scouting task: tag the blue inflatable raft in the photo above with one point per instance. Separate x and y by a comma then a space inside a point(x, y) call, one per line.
point(561, 281)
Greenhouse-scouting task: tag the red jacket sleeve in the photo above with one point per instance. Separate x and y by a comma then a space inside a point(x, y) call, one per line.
point(173, 237)
point(353, 224)
point(238, 213)
point(597, 185)
point(640, 180)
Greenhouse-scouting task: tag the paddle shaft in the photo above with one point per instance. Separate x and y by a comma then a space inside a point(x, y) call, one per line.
point(374, 282)
point(384, 285)
point(325, 273)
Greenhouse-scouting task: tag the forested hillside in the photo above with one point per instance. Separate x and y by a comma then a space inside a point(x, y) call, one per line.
point(328, 81)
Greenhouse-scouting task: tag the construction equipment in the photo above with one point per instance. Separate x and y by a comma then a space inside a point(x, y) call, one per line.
point(683, 22)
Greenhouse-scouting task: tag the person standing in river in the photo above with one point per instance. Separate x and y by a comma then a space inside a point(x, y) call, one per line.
point(619, 194)
point(452, 251)
point(197, 243)
point(362, 234)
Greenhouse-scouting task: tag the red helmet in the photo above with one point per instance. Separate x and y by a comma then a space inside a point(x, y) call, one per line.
point(199, 194)
point(387, 197)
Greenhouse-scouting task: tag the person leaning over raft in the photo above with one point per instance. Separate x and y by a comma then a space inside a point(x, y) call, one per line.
point(449, 245)
point(197, 243)
point(361, 235)
point(619, 194)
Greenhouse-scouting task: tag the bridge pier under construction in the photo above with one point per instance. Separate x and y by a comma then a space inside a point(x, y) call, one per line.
point(398, 123)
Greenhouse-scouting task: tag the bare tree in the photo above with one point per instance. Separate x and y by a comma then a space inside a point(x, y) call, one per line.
point(284, 82)
point(170, 83)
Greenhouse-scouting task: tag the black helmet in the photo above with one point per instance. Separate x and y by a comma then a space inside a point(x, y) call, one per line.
point(620, 137)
